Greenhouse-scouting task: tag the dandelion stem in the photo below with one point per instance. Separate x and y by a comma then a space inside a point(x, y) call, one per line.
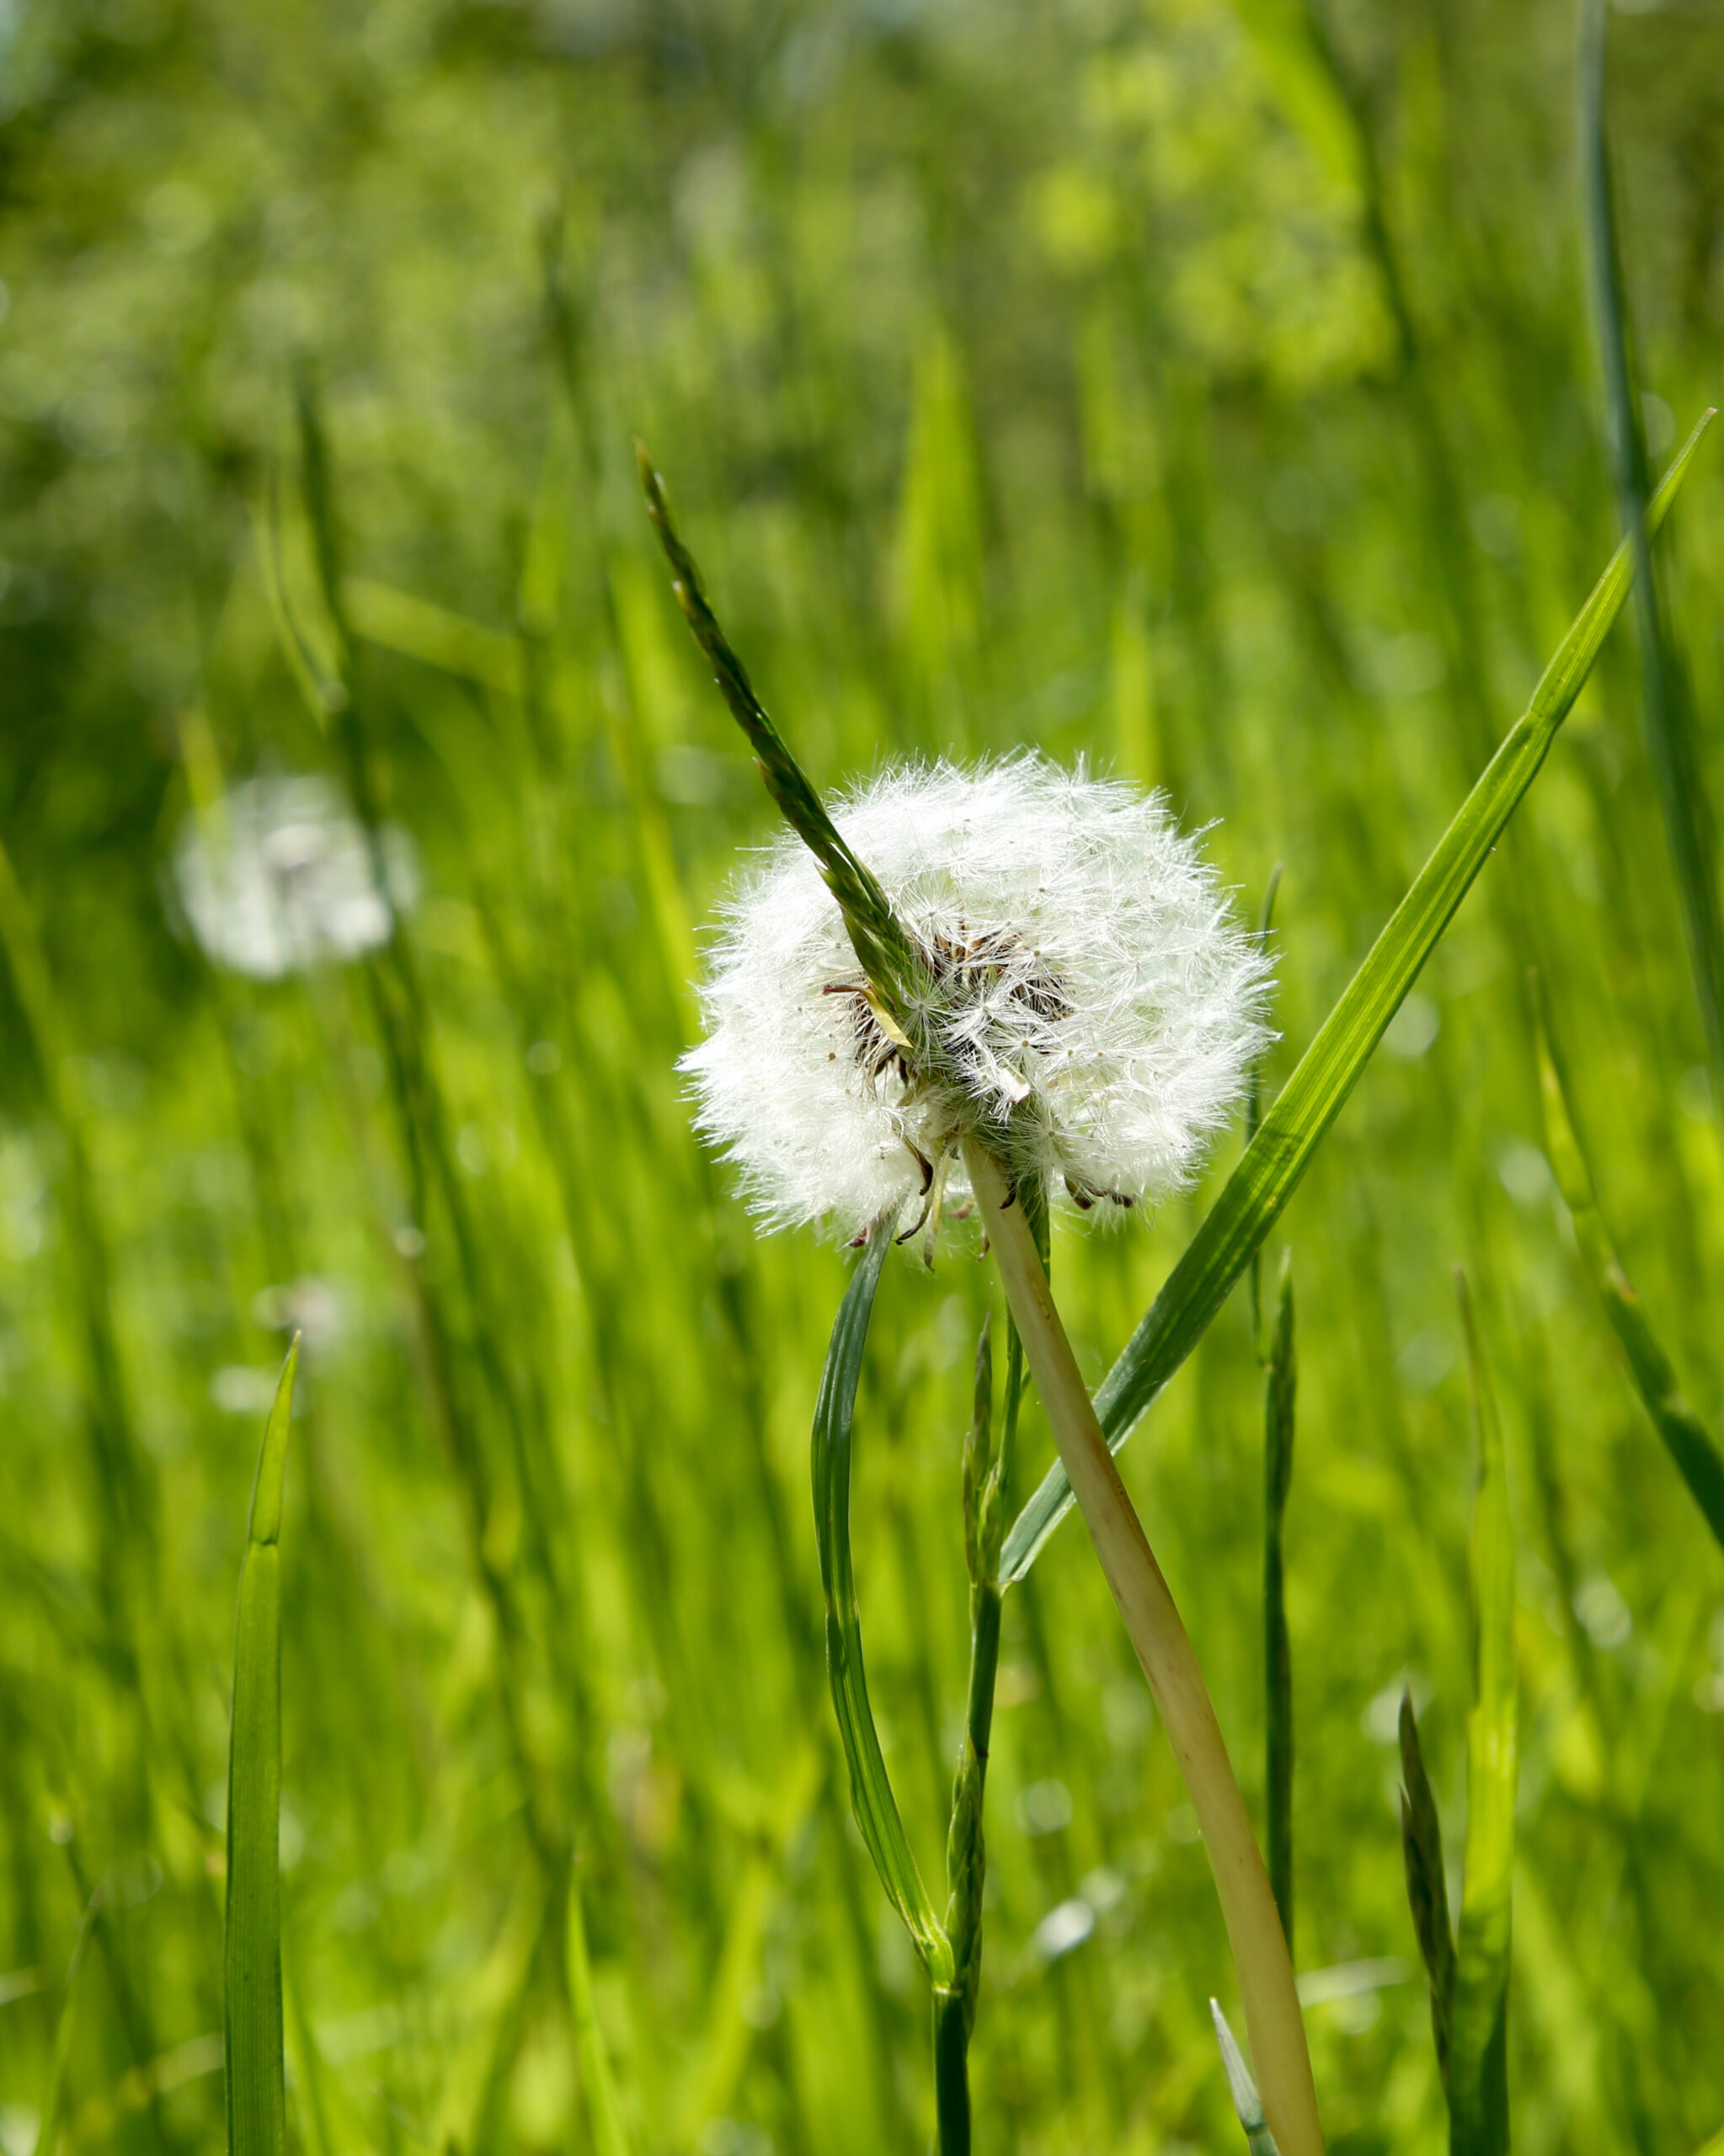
point(1271, 2013)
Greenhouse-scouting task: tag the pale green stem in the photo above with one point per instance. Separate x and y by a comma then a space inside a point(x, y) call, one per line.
point(1272, 2014)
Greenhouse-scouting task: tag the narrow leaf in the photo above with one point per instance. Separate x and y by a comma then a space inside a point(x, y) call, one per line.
point(400, 620)
point(1243, 2089)
point(1427, 1885)
point(876, 1808)
point(256, 2116)
point(1254, 1116)
point(1685, 1436)
point(1671, 739)
point(1280, 1391)
point(1269, 1170)
point(1478, 2023)
point(54, 2098)
point(978, 1466)
point(604, 2116)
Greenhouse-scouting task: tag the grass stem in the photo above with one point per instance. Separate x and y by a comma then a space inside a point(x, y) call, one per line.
point(598, 2085)
point(1671, 740)
point(1280, 1390)
point(1272, 2010)
point(257, 2102)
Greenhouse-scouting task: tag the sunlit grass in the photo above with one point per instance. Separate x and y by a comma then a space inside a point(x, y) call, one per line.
point(1168, 387)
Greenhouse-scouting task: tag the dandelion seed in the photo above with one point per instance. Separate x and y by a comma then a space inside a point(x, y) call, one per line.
point(1091, 1008)
point(280, 877)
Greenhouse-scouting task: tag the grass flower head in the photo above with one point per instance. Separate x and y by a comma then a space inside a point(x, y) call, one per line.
point(1088, 1011)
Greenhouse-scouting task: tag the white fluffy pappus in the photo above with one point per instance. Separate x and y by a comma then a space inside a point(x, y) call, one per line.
point(280, 877)
point(1092, 1013)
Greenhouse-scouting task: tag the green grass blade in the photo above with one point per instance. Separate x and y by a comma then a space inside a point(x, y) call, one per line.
point(400, 620)
point(1689, 829)
point(1254, 1116)
point(1280, 1392)
point(966, 1843)
point(1268, 1173)
point(54, 2098)
point(876, 1808)
point(1478, 2026)
point(257, 2114)
point(307, 2066)
point(604, 2114)
point(1243, 2089)
point(1685, 1436)
point(1426, 1883)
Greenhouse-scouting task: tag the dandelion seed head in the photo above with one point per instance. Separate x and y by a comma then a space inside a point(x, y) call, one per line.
point(1090, 1012)
point(279, 877)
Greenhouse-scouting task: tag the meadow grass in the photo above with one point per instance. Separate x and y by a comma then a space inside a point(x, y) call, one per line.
point(1208, 391)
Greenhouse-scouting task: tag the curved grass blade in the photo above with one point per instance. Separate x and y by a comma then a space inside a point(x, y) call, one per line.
point(1685, 1436)
point(1243, 2089)
point(1689, 829)
point(875, 1807)
point(1478, 2021)
point(257, 2112)
point(1268, 1173)
point(604, 2115)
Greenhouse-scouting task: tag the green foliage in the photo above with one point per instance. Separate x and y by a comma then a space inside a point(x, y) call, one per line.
point(1468, 1973)
point(1478, 1994)
point(1670, 727)
point(870, 1788)
point(604, 2115)
point(257, 2107)
point(1208, 390)
point(1280, 1393)
point(1427, 1883)
point(1282, 1146)
point(1686, 1438)
point(54, 2096)
point(1243, 2089)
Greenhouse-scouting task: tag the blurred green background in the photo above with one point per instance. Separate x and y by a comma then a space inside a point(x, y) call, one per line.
point(1198, 387)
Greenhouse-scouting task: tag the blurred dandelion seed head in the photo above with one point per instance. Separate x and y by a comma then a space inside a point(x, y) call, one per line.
point(278, 877)
point(1091, 1011)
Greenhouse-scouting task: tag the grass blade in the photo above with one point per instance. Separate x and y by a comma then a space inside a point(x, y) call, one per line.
point(876, 1808)
point(1689, 829)
point(54, 2099)
point(604, 2116)
point(1254, 1116)
point(1280, 1391)
point(1478, 2025)
point(256, 2113)
point(1685, 1436)
point(1243, 2089)
point(1426, 1883)
point(1269, 1170)
point(119, 1467)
